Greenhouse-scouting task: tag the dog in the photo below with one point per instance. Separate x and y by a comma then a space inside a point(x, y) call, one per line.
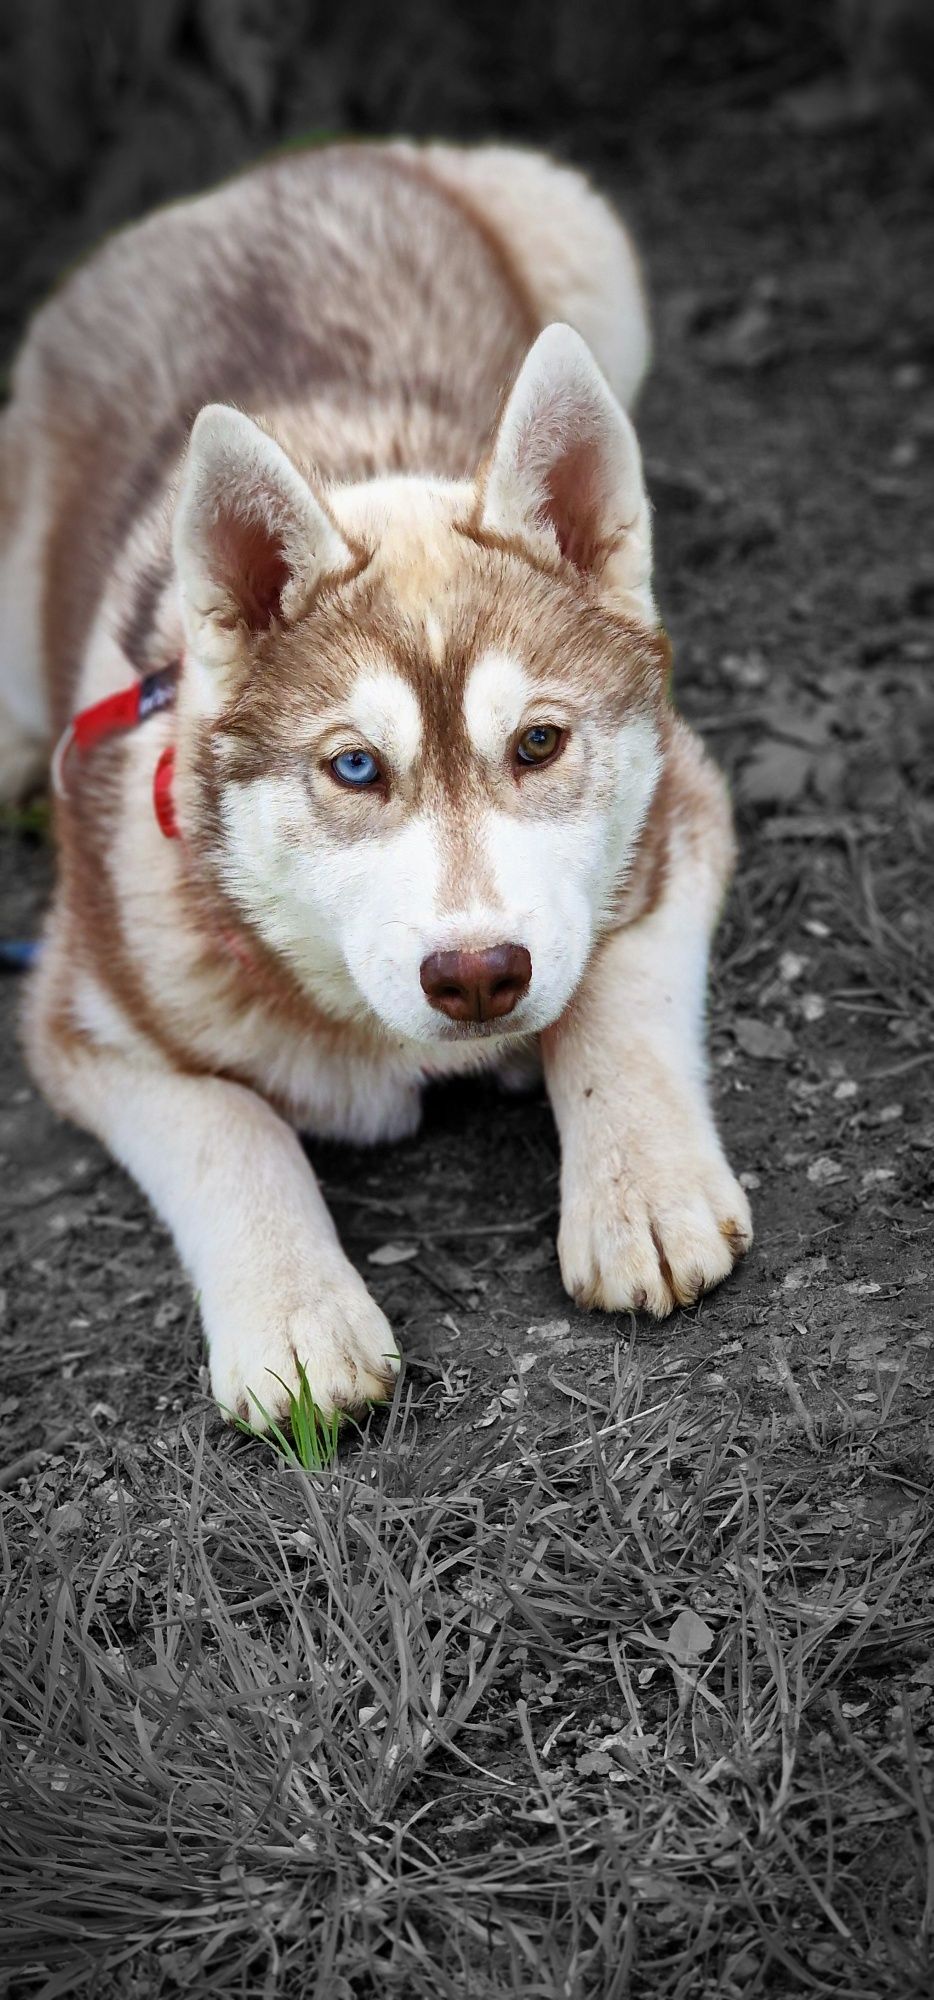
point(327, 588)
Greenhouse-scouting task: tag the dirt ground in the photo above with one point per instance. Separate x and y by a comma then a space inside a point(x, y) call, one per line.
point(789, 436)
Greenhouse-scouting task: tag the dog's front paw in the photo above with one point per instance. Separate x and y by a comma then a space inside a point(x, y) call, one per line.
point(330, 1326)
point(649, 1237)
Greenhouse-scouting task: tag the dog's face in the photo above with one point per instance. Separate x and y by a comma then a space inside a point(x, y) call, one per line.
point(427, 713)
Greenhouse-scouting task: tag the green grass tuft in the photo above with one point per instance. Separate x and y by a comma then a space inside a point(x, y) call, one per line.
point(32, 818)
point(314, 1434)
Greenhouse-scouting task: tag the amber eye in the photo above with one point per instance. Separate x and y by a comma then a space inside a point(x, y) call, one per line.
point(540, 744)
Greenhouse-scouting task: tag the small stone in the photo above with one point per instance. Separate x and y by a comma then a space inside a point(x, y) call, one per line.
point(550, 1329)
point(824, 1170)
point(393, 1253)
point(66, 1520)
point(746, 670)
point(776, 774)
point(761, 1041)
point(813, 1007)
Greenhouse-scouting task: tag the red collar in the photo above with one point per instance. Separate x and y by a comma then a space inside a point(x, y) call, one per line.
point(113, 715)
point(110, 717)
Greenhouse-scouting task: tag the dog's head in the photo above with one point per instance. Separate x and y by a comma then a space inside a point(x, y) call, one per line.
point(426, 713)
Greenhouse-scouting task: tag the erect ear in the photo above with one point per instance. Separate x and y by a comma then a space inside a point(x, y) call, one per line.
point(251, 541)
point(566, 470)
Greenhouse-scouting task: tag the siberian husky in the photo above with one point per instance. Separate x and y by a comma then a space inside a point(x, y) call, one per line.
point(326, 588)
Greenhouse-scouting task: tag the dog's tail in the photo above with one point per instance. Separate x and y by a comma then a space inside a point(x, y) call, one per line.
point(568, 246)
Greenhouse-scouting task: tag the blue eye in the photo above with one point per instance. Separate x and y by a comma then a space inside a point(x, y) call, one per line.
point(357, 768)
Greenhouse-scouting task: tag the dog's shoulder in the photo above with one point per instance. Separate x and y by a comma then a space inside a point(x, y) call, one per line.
point(689, 823)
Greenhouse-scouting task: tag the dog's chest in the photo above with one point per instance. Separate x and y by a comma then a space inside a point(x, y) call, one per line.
point(336, 1092)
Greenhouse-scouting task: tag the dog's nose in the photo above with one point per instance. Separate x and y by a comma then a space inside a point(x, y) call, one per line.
point(476, 985)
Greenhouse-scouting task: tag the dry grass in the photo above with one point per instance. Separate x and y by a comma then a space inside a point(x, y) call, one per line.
point(423, 1728)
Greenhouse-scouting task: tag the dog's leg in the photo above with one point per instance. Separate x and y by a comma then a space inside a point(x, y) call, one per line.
point(232, 1183)
point(651, 1214)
